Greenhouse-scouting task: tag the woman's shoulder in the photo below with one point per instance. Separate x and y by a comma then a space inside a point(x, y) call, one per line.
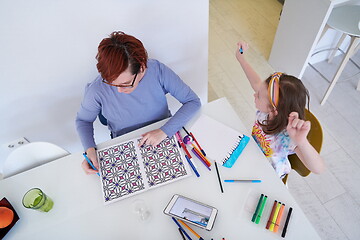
point(95, 86)
point(154, 65)
point(95, 83)
point(156, 70)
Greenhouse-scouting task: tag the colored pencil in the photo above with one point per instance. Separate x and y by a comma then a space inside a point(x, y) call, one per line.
point(183, 230)
point(200, 158)
point(187, 154)
point(244, 180)
point(218, 175)
point(182, 234)
point(197, 235)
point(202, 150)
point(192, 135)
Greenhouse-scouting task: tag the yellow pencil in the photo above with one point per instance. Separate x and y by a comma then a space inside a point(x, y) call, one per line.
point(197, 235)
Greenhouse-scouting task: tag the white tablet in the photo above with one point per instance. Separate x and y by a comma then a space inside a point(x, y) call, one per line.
point(191, 211)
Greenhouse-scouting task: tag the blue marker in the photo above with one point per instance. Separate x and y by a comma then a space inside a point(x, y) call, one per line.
point(90, 163)
point(178, 224)
point(241, 51)
point(253, 181)
point(192, 166)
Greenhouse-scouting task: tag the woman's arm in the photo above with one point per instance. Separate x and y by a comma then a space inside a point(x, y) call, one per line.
point(171, 83)
point(85, 118)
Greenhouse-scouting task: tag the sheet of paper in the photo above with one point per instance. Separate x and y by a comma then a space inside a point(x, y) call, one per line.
point(214, 137)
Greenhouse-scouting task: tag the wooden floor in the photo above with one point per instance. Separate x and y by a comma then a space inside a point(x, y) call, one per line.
point(331, 200)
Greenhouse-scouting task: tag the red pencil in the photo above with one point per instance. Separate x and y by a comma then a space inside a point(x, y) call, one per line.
point(202, 150)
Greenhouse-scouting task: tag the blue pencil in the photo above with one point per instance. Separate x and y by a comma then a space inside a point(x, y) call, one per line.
point(90, 163)
point(253, 181)
point(178, 224)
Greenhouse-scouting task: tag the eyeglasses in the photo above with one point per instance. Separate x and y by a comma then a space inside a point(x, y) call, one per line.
point(122, 85)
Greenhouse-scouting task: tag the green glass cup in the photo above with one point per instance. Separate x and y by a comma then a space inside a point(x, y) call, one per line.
point(37, 200)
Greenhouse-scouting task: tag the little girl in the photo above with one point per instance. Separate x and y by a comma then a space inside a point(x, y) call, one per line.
point(279, 129)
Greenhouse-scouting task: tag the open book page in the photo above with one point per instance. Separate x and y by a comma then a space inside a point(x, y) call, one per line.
point(127, 169)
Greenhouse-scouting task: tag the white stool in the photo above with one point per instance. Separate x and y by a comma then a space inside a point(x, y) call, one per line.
point(31, 155)
point(345, 19)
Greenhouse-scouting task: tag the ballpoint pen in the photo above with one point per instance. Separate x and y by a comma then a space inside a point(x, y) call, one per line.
point(90, 163)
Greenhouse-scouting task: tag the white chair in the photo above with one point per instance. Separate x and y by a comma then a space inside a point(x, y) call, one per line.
point(31, 155)
point(345, 19)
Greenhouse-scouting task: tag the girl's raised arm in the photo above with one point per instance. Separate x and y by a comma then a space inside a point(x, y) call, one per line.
point(252, 76)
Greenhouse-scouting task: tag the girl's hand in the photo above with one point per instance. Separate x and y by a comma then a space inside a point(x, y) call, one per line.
point(91, 154)
point(152, 138)
point(298, 129)
point(244, 47)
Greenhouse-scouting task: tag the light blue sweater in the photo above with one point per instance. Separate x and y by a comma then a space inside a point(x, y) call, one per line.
point(145, 105)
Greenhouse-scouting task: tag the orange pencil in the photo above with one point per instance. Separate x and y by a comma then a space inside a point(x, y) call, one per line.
point(201, 155)
point(277, 224)
point(197, 235)
point(271, 215)
point(202, 150)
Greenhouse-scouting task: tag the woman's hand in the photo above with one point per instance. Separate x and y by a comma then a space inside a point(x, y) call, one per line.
point(298, 129)
point(153, 137)
point(91, 154)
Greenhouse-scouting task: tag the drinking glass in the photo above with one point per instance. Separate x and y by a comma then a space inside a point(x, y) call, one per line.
point(36, 199)
point(141, 209)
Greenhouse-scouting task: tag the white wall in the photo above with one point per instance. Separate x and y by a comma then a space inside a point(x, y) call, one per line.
point(298, 32)
point(48, 53)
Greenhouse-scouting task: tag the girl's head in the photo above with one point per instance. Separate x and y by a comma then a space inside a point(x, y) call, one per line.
point(280, 95)
point(118, 53)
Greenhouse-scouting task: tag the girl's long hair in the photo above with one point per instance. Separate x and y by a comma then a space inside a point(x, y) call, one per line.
point(293, 97)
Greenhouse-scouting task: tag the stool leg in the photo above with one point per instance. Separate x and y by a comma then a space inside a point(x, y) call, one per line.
point(337, 47)
point(326, 27)
point(353, 43)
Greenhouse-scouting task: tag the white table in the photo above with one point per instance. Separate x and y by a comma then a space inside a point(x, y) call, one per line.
point(79, 212)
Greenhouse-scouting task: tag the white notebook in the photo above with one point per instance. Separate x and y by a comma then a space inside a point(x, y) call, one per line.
point(216, 139)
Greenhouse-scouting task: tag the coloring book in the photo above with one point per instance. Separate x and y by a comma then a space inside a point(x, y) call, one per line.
point(127, 169)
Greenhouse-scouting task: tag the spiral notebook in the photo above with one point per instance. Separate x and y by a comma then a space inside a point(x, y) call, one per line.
point(220, 142)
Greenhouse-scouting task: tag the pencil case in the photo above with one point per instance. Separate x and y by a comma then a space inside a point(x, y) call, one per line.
point(235, 152)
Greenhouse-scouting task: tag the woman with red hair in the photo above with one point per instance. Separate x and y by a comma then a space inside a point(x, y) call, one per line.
point(130, 93)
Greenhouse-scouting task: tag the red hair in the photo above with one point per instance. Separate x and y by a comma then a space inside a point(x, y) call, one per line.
point(118, 52)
